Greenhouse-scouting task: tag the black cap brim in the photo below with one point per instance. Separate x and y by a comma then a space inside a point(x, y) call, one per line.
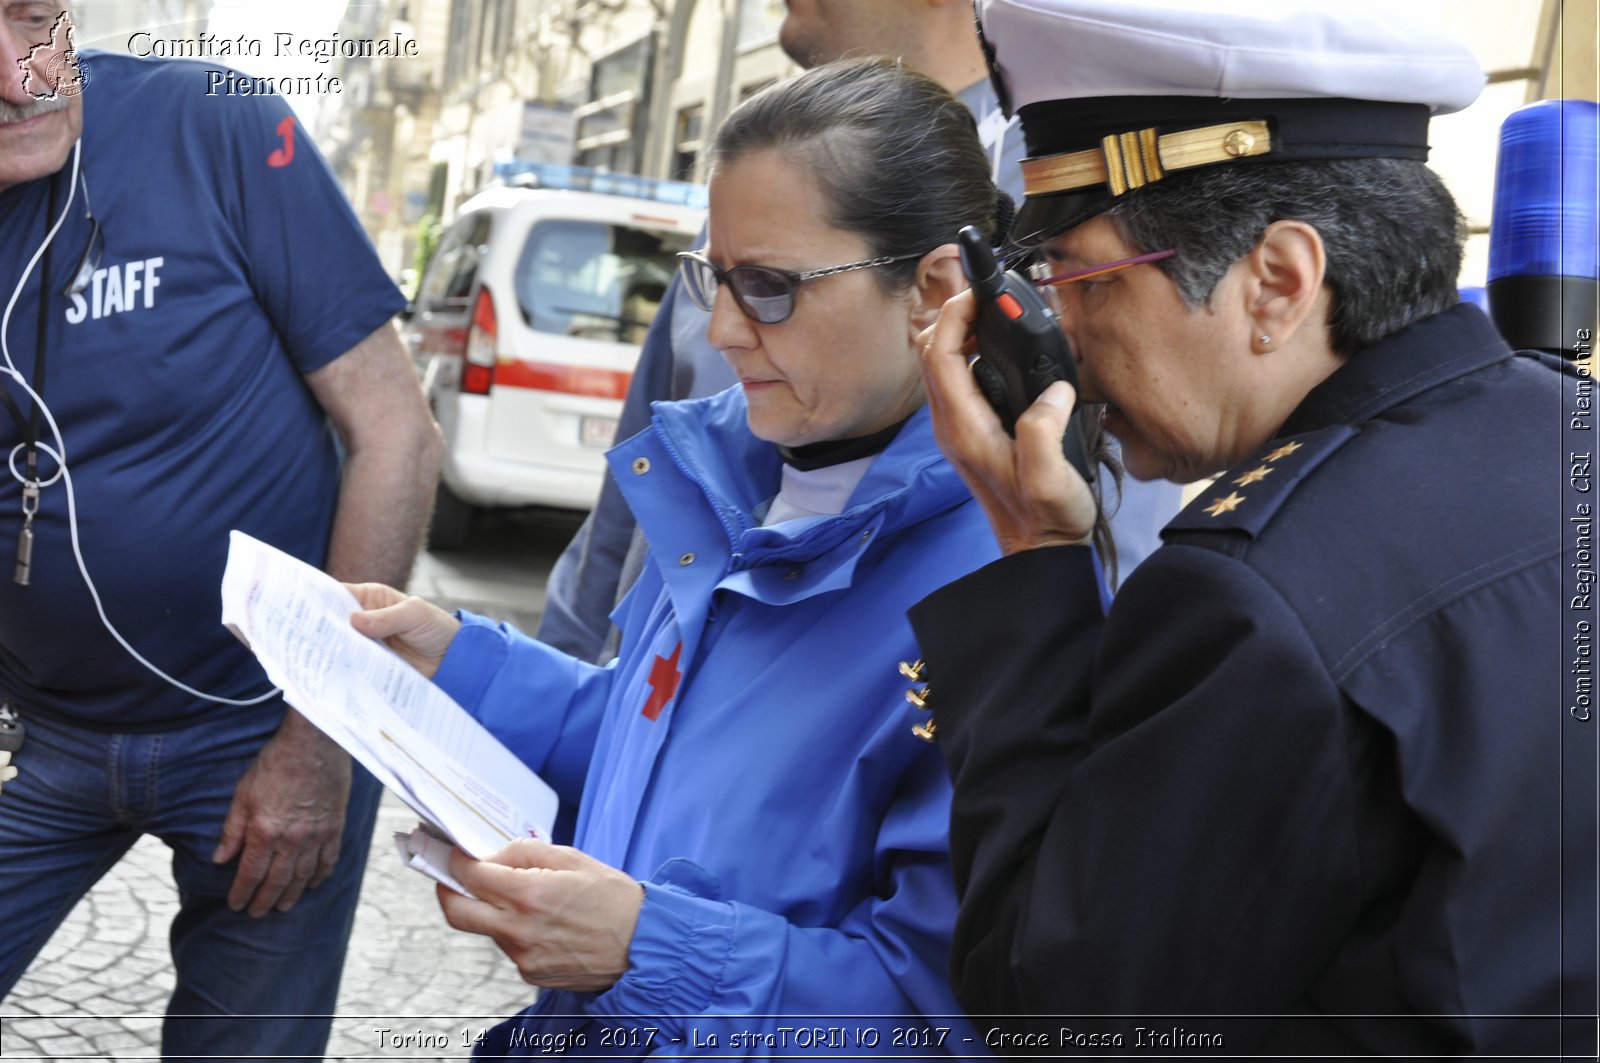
point(1042, 217)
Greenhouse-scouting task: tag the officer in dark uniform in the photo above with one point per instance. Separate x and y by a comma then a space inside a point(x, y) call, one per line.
point(1322, 780)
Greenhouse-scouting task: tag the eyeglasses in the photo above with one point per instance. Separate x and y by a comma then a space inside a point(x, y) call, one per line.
point(1048, 282)
point(766, 295)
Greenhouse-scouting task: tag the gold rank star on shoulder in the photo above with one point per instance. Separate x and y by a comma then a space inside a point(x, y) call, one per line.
point(1225, 505)
point(1234, 500)
point(1284, 451)
point(1248, 496)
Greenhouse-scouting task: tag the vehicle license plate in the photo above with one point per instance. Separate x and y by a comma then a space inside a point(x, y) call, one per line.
point(597, 431)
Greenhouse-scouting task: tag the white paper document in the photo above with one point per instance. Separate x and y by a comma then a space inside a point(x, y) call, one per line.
point(410, 734)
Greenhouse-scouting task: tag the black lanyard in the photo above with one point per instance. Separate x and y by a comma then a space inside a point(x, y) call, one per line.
point(30, 426)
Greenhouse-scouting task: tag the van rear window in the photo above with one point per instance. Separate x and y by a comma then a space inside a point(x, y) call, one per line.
point(454, 266)
point(593, 280)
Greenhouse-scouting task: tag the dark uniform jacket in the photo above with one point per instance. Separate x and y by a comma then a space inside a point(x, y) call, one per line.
point(1324, 760)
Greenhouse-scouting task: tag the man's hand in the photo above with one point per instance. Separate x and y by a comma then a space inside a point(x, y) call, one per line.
point(286, 819)
point(419, 631)
point(1031, 494)
point(564, 918)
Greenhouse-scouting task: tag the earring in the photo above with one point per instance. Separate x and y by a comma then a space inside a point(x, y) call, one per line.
point(1265, 339)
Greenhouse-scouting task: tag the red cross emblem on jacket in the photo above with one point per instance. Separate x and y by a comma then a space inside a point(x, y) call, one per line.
point(664, 678)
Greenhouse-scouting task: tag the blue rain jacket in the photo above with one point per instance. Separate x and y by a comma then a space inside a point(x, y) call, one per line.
point(749, 756)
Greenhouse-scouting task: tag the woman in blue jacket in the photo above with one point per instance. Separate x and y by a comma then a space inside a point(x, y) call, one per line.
point(760, 865)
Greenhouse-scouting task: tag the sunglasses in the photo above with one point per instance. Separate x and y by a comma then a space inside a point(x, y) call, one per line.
point(764, 294)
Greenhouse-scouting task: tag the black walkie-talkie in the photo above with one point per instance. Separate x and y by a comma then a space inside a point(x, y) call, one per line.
point(1021, 348)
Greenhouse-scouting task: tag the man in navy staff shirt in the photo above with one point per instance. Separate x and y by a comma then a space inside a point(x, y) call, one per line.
point(197, 338)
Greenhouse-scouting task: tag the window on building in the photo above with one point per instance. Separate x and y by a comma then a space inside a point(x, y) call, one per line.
point(621, 71)
point(458, 51)
point(689, 141)
point(499, 30)
point(759, 20)
point(606, 125)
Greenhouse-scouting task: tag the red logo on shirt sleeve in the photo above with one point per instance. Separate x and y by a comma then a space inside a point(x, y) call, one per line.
point(283, 156)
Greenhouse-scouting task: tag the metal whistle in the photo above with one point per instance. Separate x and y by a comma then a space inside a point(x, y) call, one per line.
point(24, 567)
point(23, 574)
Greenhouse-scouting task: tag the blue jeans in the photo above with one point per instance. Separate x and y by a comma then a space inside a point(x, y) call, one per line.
point(82, 798)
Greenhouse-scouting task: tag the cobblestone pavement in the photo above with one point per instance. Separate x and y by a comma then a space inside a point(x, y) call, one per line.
point(411, 984)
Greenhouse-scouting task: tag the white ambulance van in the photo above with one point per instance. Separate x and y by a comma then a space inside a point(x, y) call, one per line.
point(526, 328)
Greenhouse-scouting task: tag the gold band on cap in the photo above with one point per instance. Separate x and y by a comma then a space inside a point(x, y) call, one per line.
point(1132, 160)
point(1125, 161)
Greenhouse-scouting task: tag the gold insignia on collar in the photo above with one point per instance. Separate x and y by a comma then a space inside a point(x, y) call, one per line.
point(1284, 451)
point(1225, 505)
point(1254, 476)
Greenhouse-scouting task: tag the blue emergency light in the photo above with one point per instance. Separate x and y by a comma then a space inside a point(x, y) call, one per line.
point(1544, 244)
point(520, 173)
